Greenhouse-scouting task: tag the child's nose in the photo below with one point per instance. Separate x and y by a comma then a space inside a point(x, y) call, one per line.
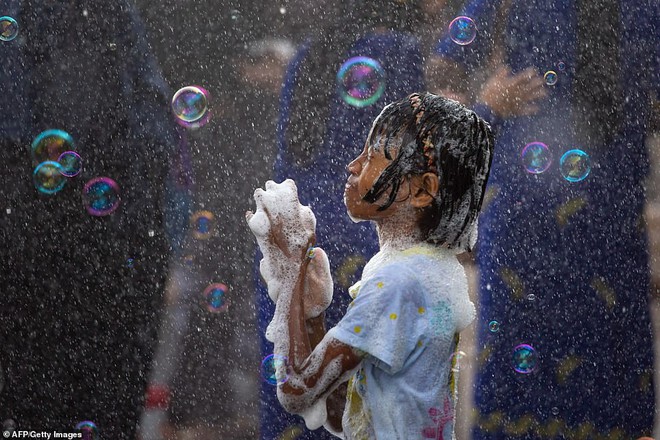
point(354, 167)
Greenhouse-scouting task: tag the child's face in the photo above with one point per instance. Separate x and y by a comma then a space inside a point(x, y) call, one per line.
point(364, 171)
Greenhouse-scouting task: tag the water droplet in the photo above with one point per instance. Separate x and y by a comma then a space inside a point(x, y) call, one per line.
point(282, 10)
point(462, 30)
point(151, 233)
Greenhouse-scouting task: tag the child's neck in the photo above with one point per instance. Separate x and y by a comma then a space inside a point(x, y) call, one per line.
point(398, 235)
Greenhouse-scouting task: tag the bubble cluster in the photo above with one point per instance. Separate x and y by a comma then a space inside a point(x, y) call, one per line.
point(101, 196)
point(361, 81)
point(462, 30)
point(494, 326)
point(71, 163)
point(550, 77)
point(8, 28)
point(48, 177)
point(88, 430)
point(215, 298)
point(51, 144)
point(269, 366)
point(524, 359)
point(575, 165)
point(202, 224)
point(536, 157)
point(191, 106)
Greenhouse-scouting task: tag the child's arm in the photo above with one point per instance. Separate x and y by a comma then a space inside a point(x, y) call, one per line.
point(318, 363)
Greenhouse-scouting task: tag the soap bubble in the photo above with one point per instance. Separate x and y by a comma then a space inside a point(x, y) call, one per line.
point(50, 144)
point(190, 106)
point(554, 411)
point(101, 196)
point(561, 66)
point(269, 367)
point(71, 163)
point(361, 81)
point(8, 28)
point(531, 297)
point(130, 263)
point(575, 165)
point(215, 298)
point(202, 224)
point(550, 77)
point(88, 429)
point(48, 177)
point(234, 14)
point(536, 157)
point(457, 358)
point(524, 359)
point(462, 30)
point(494, 326)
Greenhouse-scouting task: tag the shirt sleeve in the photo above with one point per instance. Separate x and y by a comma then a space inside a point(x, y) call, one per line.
point(388, 319)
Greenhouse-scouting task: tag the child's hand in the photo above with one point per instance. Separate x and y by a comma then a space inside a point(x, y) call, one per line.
point(318, 284)
point(513, 95)
point(284, 230)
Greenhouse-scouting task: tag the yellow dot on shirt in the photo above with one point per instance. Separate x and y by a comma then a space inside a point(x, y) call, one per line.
point(392, 315)
point(421, 310)
point(380, 284)
point(357, 329)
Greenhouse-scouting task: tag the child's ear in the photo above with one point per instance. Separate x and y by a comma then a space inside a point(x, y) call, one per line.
point(424, 189)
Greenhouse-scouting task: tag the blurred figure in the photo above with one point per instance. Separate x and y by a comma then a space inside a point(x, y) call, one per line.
point(319, 133)
point(205, 374)
point(82, 278)
point(564, 331)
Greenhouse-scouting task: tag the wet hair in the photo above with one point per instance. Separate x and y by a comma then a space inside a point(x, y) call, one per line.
point(434, 134)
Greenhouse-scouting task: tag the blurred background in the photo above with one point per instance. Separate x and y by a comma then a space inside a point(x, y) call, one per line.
point(202, 374)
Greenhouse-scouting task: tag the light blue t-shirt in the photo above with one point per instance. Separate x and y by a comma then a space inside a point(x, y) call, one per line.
point(407, 311)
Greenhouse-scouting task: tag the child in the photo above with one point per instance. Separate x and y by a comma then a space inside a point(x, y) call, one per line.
point(421, 180)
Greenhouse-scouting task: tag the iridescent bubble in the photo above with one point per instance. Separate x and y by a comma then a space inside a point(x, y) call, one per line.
point(361, 81)
point(275, 369)
point(48, 177)
point(9, 425)
point(130, 263)
point(550, 77)
point(462, 30)
point(494, 326)
point(561, 66)
point(101, 196)
point(191, 106)
point(457, 358)
point(71, 163)
point(215, 298)
point(50, 144)
point(8, 28)
point(88, 430)
point(524, 359)
point(536, 157)
point(575, 165)
point(202, 224)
